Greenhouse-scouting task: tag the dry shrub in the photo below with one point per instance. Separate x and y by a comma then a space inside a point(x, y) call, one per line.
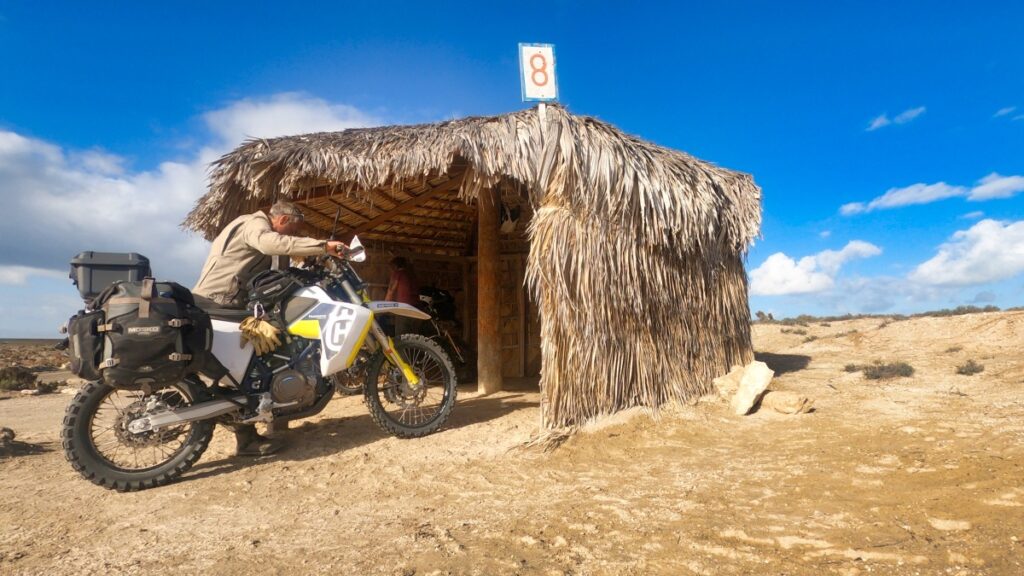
point(887, 370)
point(953, 349)
point(879, 370)
point(958, 311)
point(970, 368)
point(17, 378)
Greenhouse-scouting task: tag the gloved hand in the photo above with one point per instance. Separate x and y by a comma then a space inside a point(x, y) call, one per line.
point(262, 334)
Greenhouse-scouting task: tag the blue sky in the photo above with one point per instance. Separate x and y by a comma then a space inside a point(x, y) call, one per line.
point(109, 115)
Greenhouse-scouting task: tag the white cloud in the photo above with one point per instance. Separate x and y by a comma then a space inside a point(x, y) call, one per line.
point(988, 251)
point(908, 115)
point(877, 122)
point(62, 202)
point(996, 186)
point(21, 274)
point(824, 233)
point(831, 260)
point(914, 194)
point(904, 117)
point(852, 208)
point(282, 115)
point(1004, 111)
point(99, 162)
point(973, 215)
point(988, 188)
point(779, 274)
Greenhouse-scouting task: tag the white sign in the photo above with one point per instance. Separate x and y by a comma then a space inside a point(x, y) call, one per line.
point(537, 72)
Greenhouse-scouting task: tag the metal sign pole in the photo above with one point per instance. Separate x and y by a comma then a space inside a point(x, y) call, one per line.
point(537, 79)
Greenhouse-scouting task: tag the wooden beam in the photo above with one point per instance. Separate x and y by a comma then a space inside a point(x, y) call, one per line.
point(441, 205)
point(488, 269)
point(436, 221)
point(409, 204)
point(419, 249)
point(318, 221)
point(454, 212)
point(420, 237)
point(473, 233)
point(412, 254)
point(379, 192)
point(336, 204)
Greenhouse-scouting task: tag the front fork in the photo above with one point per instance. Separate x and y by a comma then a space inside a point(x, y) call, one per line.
point(385, 342)
point(387, 346)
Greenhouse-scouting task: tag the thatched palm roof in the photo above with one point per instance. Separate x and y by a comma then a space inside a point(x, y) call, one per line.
point(636, 253)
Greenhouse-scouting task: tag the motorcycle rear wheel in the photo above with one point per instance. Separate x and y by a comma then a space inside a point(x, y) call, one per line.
point(99, 446)
point(404, 411)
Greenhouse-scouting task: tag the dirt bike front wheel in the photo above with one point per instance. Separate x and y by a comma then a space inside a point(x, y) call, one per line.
point(99, 445)
point(404, 410)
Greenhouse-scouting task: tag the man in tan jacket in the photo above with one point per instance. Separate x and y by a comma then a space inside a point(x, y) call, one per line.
point(246, 247)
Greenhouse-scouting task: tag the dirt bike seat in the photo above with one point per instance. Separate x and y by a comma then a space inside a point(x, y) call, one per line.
point(219, 312)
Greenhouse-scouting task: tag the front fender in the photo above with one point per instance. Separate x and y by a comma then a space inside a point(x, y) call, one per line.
point(397, 309)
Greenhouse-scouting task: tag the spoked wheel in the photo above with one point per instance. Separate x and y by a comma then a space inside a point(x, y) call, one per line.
point(412, 411)
point(99, 445)
point(349, 382)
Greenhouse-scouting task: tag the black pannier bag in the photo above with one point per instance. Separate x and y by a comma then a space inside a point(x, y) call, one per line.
point(85, 343)
point(153, 334)
point(442, 301)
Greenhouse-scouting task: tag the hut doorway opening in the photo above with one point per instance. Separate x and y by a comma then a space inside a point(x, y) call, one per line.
point(449, 247)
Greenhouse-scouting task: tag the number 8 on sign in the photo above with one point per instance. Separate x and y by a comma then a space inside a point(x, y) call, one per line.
point(537, 72)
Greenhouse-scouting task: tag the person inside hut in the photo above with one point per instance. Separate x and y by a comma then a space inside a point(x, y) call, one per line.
point(247, 246)
point(402, 288)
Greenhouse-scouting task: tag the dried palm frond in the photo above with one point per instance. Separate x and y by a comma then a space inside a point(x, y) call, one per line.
point(636, 253)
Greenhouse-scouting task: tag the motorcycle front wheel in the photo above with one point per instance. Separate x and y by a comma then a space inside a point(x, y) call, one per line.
point(98, 444)
point(411, 411)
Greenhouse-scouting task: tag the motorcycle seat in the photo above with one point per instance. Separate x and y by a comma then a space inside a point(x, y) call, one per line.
point(218, 312)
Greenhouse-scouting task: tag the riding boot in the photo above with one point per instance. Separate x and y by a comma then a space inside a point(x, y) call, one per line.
point(249, 443)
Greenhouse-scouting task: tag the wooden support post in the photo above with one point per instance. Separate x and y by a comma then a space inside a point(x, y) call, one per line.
point(488, 294)
point(523, 317)
point(465, 300)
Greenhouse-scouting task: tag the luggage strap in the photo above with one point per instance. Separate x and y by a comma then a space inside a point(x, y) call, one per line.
point(148, 288)
point(176, 357)
point(179, 322)
point(109, 363)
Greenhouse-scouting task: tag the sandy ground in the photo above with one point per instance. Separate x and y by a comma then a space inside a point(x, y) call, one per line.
point(922, 475)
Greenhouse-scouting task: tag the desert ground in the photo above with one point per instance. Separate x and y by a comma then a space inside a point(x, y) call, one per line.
point(917, 475)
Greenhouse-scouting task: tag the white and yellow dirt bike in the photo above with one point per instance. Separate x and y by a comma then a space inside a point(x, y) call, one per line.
point(132, 440)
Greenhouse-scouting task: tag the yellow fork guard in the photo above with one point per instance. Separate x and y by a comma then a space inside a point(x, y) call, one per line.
point(392, 354)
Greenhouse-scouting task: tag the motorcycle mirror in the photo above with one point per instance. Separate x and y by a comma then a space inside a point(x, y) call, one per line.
point(356, 252)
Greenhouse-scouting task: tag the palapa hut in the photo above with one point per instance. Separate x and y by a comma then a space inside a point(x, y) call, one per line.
point(635, 251)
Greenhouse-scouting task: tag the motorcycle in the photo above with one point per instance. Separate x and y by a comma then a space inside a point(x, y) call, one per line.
point(438, 305)
point(130, 440)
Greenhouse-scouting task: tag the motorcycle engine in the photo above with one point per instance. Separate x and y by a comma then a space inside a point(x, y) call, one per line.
point(297, 384)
